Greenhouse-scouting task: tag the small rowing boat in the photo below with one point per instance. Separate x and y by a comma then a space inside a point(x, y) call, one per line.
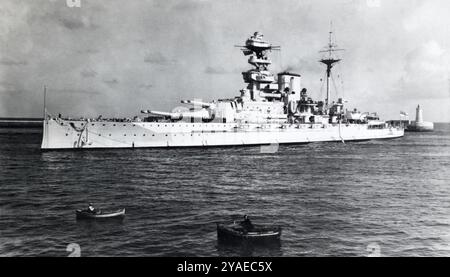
point(236, 232)
point(84, 214)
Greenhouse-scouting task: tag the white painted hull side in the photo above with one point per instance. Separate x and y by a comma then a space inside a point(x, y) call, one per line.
point(64, 134)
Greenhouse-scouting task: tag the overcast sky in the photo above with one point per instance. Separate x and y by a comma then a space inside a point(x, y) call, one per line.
point(115, 57)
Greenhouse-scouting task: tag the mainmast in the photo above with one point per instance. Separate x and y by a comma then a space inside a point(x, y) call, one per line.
point(329, 60)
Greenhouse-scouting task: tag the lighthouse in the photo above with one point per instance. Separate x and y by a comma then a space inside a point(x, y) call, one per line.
point(419, 125)
point(419, 114)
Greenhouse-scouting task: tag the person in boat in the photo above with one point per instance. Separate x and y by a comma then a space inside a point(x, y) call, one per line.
point(91, 209)
point(247, 224)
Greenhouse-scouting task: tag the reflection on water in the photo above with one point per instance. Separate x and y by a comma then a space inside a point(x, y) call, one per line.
point(249, 249)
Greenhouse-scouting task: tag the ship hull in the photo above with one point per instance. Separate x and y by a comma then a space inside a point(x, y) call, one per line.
point(65, 134)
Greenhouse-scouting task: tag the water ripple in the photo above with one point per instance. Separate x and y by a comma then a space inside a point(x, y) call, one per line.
point(331, 199)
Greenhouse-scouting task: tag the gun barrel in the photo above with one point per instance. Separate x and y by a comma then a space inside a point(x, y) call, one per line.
point(199, 103)
point(201, 114)
point(171, 115)
point(155, 112)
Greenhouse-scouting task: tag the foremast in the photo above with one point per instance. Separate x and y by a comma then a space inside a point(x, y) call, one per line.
point(259, 78)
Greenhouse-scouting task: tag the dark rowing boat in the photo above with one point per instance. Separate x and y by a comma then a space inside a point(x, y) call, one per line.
point(236, 232)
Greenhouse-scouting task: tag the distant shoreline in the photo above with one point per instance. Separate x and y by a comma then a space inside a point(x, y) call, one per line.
point(20, 122)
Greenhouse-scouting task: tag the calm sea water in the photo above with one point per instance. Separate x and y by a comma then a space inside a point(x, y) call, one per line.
point(330, 198)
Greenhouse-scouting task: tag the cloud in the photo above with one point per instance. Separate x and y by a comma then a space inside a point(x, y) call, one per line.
point(216, 70)
point(300, 65)
point(88, 51)
point(68, 18)
point(145, 86)
point(111, 82)
point(9, 88)
point(88, 73)
point(426, 72)
point(429, 16)
point(12, 62)
point(75, 91)
point(189, 5)
point(157, 58)
point(72, 23)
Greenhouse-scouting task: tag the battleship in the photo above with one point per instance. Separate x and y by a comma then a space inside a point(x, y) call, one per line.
point(271, 109)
